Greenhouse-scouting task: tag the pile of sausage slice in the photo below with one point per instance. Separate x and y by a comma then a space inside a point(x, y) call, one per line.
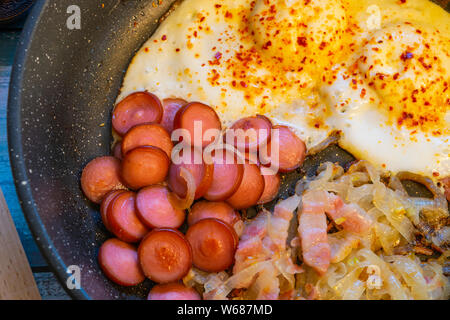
point(144, 197)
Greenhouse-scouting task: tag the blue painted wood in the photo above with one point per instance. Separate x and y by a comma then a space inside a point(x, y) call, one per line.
point(8, 41)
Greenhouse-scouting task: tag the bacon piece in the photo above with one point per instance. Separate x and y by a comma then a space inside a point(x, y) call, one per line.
point(312, 230)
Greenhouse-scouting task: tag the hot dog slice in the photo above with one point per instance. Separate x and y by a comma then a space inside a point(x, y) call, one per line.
point(213, 244)
point(165, 255)
point(291, 149)
point(100, 176)
point(227, 175)
point(144, 166)
point(192, 160)
point(219, 210)
point(117, 150)
point(119, 261)
point(123, 220)
point(137, 108)
point(271, 186)
point(147, 134)
point(252, 157)
point(105, 206)
point(171, 107)
point(446, 183)
point(206, 119)
point(251, 132)
point(250, 189)
point(156, 210)
point(173, 291)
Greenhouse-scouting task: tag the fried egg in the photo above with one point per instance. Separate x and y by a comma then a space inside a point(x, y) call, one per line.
point(378, 71)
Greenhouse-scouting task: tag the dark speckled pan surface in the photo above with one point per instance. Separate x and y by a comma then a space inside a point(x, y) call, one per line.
point(63, 88)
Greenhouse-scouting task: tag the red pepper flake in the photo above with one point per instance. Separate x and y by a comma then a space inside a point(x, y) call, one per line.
point(406, 55)
point(267, 45)
point(164, 38)
point(435, 174)
point(243, 84)
point(146, 49)
point(402, 1)
point(301, 41)
point(177, 49)
point(391, 108)
point(424, 64)
point(436, 133)
point(233, 83)
point(195, 34)
point(317, 125)
point(218, 6)
point(396, 76)
point(418, 31)
point(228, 15)
point(322, 45)
point(218, 55)
point(363, 93)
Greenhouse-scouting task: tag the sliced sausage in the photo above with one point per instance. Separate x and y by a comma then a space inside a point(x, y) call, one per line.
point(137, 108)
point(119, 261)
point(213, 244)
point(227, 175)
point(207, 209)
point(251, 132)
point(117, 150)
point(165, 255)
point(252, 157)
point(105, 206)
point(173, 291)
point(171, 107)
point(271, 186)
point(197, 113)
point(148, 134)
point(446, 183)
point(144, 166)
point(156, 210)
point(192, 160)
point(250, 189)
point(291, 150)
point(100, 176)
point(123, 220)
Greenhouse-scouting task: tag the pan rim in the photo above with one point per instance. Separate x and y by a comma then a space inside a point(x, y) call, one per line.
point(18, 167)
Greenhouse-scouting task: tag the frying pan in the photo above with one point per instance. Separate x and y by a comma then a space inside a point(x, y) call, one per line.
point(64, 84)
